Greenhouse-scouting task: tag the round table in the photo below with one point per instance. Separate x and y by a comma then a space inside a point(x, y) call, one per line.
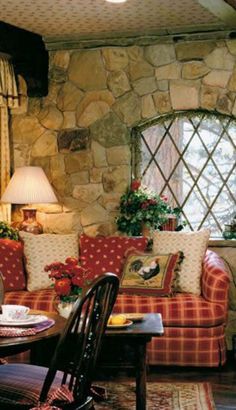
point(41, 345)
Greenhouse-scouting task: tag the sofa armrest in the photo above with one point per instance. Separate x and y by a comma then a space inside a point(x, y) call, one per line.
point(215, 279)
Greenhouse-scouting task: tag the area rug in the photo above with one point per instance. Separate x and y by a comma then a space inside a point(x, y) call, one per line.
point(161, 396)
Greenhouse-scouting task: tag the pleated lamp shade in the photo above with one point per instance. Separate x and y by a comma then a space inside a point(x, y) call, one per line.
point(29, 185)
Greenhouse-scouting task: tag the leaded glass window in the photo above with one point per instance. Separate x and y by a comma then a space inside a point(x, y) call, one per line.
point(191, 158)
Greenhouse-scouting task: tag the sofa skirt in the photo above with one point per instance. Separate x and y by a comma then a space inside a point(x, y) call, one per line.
point(188, 347)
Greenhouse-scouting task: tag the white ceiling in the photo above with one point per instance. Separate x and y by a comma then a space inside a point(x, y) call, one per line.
point(98, 18)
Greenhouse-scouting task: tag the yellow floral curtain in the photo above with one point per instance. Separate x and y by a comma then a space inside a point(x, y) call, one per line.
point(8, 100)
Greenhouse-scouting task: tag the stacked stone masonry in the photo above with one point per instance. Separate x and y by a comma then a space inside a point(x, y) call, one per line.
point(80, 132)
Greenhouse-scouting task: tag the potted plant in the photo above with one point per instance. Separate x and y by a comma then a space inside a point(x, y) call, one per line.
point(7, 232)
point(68, 278)
point(141, 208)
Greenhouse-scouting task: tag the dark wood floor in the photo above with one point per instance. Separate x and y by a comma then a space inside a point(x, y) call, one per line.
point(223, 380)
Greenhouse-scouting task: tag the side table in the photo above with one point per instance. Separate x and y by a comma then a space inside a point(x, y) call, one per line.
point(127, 347)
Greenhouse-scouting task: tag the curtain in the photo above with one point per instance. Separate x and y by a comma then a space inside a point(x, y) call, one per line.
point(8, 100)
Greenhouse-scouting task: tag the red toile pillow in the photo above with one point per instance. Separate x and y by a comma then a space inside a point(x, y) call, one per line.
point(11, 264)
point(107, 254)
point(150, 274)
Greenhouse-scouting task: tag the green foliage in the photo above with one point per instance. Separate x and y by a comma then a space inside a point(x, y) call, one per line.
point(138, 207)
point(6, 231)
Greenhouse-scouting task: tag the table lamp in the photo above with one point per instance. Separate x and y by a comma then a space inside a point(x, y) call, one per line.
point(29, 185)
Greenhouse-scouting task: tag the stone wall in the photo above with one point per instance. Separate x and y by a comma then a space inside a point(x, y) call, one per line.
point(80, 132)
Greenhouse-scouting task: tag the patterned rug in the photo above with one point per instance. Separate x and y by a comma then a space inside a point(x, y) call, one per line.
point(161, 396)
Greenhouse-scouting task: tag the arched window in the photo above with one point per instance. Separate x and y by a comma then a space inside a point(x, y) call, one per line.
point(191, 158)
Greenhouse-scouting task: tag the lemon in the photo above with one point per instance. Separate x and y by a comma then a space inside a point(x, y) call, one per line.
point(109, 320)
point(118, 319)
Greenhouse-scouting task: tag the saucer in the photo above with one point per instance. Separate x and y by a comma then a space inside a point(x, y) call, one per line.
point(8, 319)
point(124, 325)
point(29, 321)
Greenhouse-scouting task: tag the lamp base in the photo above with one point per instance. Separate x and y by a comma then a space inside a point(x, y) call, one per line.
point(29, 223)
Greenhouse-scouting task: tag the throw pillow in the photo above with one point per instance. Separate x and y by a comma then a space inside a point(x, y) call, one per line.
point(107, 254)
point(150, 274)
point(41, 250)
point(11, 265)
point(193, 245)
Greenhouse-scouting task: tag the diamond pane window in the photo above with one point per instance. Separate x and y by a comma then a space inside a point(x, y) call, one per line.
point(192, 159)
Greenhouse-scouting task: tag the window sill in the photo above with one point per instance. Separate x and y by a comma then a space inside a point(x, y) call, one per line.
point(222, 243)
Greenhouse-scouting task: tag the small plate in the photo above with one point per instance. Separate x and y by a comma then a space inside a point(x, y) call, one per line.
point(27, 318)
point(126, 324)
point(31, 320)
point(135, 317)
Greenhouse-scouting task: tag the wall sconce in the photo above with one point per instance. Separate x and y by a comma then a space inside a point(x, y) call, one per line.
point(29, 185)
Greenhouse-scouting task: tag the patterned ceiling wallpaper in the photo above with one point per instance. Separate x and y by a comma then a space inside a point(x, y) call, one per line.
point(86, 17)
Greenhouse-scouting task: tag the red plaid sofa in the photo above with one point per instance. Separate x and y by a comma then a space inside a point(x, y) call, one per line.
point(194, 326)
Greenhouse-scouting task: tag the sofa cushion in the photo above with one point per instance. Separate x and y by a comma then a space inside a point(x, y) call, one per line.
point(41, 250)
point(150, 274)
point(107, 254)
point(11, 265)
point(193, 245)
point(184, 310)
point(43, 299)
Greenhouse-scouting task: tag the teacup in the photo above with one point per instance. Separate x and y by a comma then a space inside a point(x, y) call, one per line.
point(14, 312)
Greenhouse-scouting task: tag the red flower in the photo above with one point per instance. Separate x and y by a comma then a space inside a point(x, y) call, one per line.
point(68, 277)
point(135, 185)
point(145, 205)
point(56, 274)
point(71, 261)
point(164, 198)
point(63, 287)
point(78, 270)
point(77, 281)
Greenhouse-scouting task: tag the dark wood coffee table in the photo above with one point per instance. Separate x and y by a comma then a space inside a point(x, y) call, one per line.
point(127, 347)
point(35, 343)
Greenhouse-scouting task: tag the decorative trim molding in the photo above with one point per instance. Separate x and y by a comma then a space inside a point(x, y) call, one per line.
point(222, 243)
point(77, 42)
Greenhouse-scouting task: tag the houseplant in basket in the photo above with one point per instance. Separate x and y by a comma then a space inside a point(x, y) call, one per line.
point(141, 208)
point(69, 279)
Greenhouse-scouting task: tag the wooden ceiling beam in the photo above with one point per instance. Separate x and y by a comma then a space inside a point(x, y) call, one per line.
point(231, 3)
point(223, 10)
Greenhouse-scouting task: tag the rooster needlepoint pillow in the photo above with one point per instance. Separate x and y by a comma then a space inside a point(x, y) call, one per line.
point(150, 274)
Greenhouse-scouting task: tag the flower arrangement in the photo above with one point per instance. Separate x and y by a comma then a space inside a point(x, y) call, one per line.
point(68, 278)
point(139, 206)
point(7, 232)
